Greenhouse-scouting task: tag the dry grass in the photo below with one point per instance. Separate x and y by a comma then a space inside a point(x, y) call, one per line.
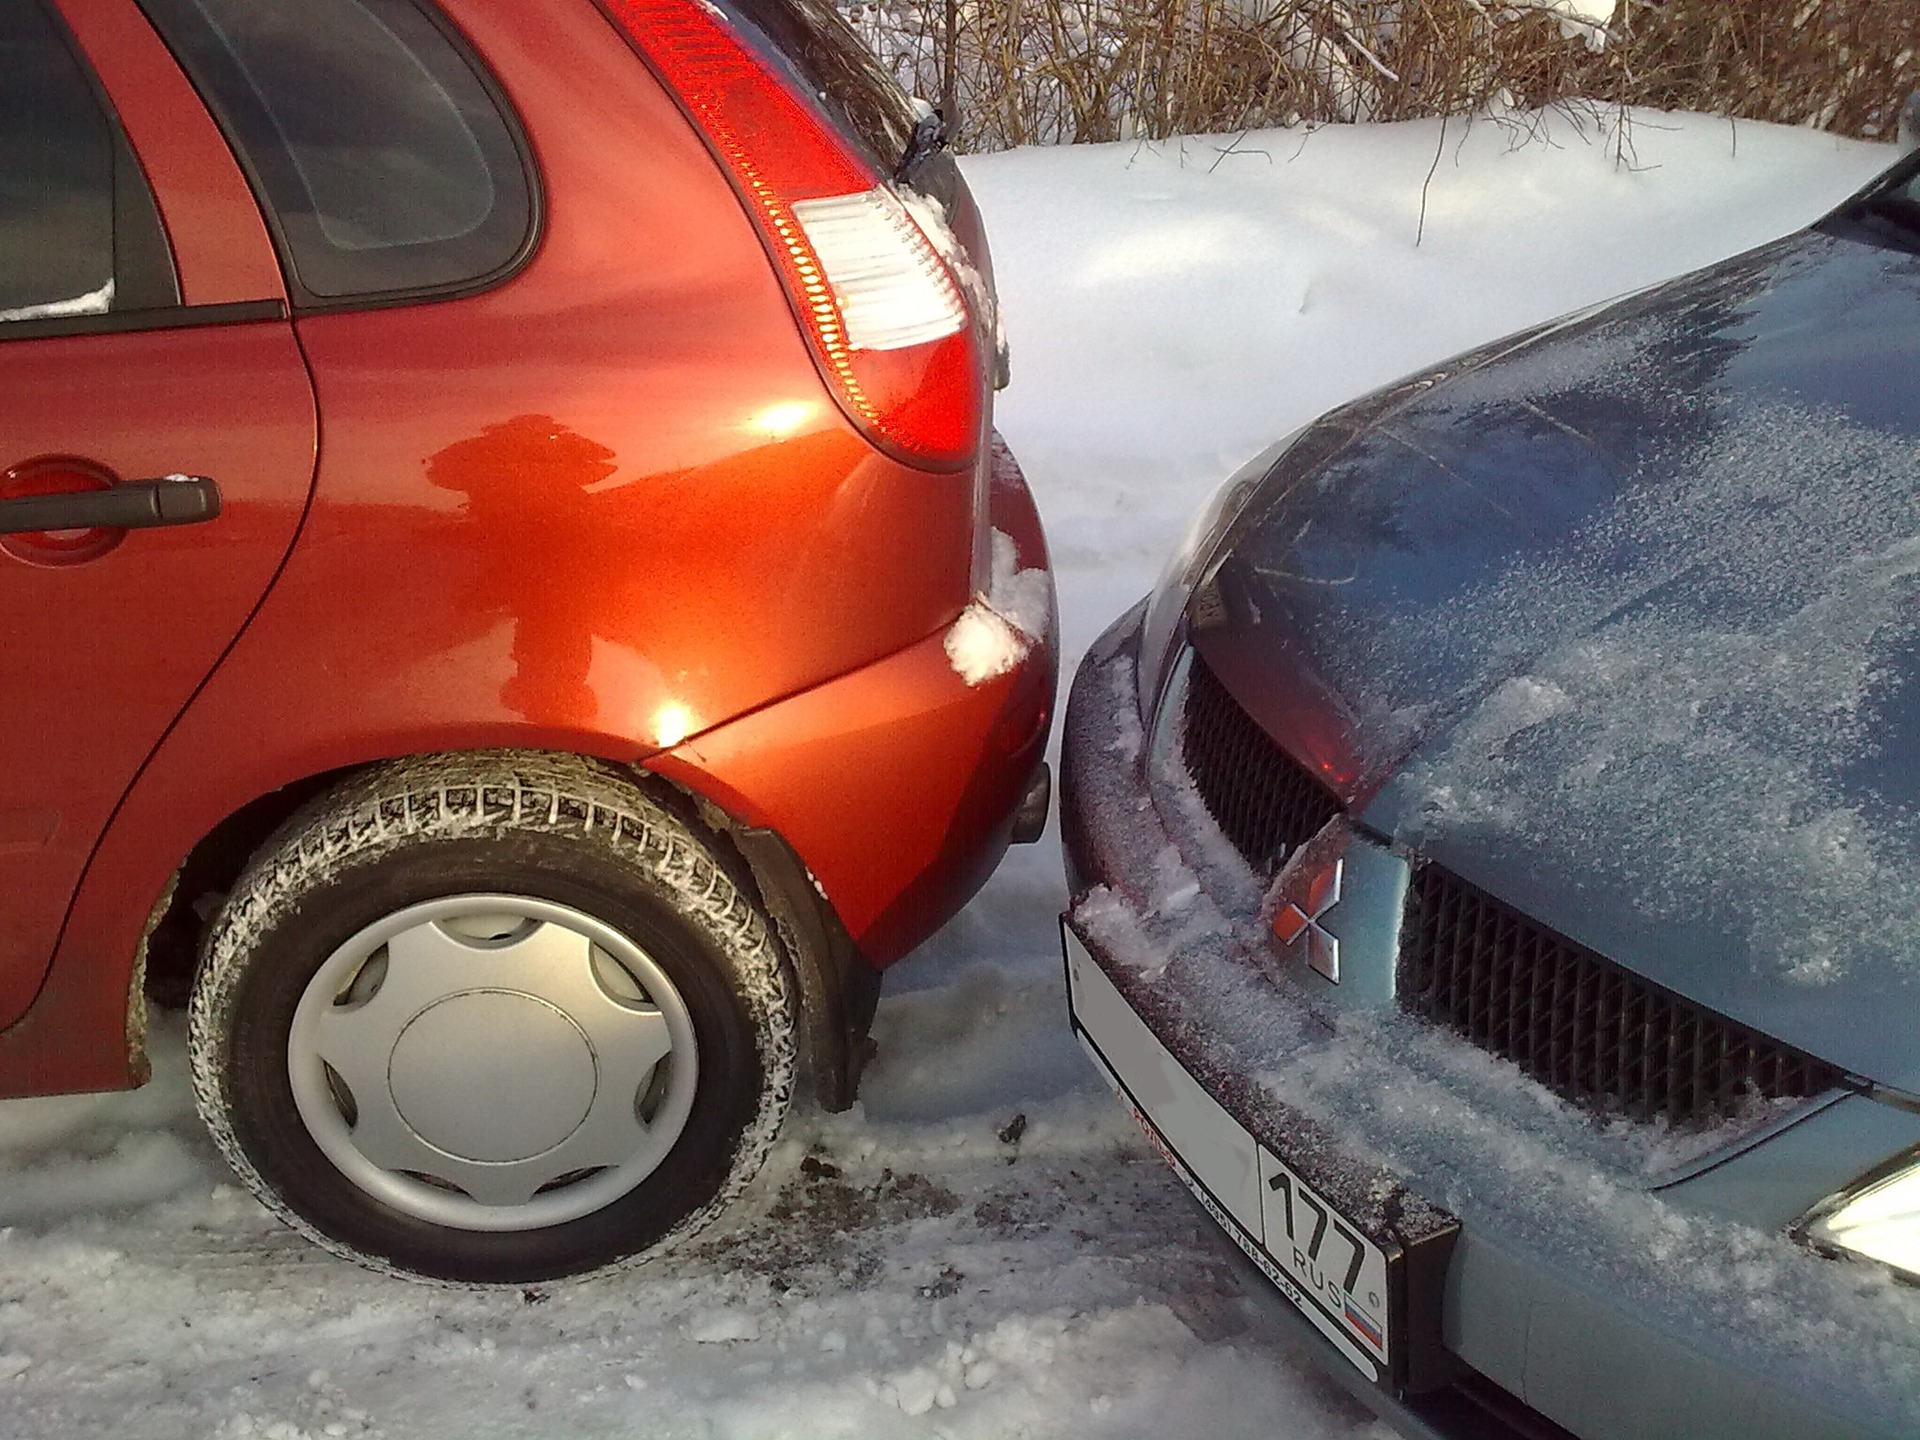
point(1048, 71)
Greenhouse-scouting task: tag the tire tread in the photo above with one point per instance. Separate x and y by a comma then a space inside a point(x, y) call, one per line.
point(425, 799)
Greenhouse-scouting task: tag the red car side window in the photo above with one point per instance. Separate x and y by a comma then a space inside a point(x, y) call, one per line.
point(386, 163)
point(78, 235)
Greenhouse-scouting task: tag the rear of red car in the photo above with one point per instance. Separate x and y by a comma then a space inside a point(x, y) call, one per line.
point(637, 363)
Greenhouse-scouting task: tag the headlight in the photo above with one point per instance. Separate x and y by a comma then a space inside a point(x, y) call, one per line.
point(1878, 1220)
point(1183, 568)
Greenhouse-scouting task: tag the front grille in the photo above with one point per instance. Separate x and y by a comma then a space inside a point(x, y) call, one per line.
point(1576, 1022)
point(1261, 797)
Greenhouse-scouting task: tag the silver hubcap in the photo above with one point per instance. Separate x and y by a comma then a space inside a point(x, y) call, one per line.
point(493, 1062)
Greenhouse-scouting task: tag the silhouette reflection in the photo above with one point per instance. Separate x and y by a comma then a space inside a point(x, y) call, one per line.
point(527, 483)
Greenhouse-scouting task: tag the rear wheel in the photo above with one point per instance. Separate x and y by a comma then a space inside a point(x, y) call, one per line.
point(492, 1019)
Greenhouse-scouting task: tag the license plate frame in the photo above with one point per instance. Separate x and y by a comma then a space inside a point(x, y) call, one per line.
point(1375, 1300)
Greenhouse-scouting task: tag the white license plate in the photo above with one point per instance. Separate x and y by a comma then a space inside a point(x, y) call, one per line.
point(1339, 1271)
point(1318, 1259)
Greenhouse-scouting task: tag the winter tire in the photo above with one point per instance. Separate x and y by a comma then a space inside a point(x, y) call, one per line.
point(492, 1020)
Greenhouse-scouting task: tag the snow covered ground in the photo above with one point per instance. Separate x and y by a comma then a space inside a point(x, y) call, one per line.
point(985, 1247)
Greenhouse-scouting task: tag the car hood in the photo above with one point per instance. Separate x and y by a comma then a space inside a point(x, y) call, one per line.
point(1622, 624)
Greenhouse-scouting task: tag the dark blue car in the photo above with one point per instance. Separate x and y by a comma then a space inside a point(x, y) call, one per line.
point(1495, 859)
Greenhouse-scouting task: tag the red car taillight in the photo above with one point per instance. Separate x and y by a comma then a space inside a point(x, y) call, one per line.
point(884, 314)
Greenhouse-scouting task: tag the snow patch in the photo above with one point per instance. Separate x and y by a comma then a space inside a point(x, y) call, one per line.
point(997, 631)
point(981, 645)
point(931, 216)
point(1584, 20)
point(1023, 597)
point(94, 302)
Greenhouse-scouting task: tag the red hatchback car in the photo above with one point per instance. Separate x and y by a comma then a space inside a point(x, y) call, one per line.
point(511, 597)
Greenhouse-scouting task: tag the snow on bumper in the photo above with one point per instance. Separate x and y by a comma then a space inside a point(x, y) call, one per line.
point(998, 630)
point(1622, 1279)
point(1376, 1304)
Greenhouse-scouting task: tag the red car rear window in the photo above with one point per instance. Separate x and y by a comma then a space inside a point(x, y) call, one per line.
point(855, 91)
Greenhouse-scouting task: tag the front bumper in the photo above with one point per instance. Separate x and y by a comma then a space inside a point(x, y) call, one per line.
point(1625, 1285)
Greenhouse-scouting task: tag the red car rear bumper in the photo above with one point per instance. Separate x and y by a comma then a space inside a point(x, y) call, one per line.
point(896, 783)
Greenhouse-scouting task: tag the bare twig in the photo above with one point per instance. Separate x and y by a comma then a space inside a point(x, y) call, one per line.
point(1233, 148)
point(1015, 72)
point(1439, 145)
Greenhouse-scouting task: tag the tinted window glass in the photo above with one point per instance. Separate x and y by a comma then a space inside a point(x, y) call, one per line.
point(380, 152)
point(56, 176)
point(858, 93)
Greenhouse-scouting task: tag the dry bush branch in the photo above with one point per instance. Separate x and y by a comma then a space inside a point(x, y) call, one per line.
point(1049, 71)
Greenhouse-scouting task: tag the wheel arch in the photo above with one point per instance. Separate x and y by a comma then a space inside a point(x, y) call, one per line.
point(208, 871)
point(838, 990)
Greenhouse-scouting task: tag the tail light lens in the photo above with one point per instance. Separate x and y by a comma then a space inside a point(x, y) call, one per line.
point(883, 313)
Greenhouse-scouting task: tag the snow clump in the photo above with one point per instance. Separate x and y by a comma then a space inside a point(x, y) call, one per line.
point(996, 632)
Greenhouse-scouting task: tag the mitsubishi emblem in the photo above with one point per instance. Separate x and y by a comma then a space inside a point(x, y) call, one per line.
point(1306, 889)
point(1296, 918)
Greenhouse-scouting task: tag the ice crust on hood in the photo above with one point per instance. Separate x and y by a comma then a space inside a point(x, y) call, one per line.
point(1687, 720)
point(1631, 613)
